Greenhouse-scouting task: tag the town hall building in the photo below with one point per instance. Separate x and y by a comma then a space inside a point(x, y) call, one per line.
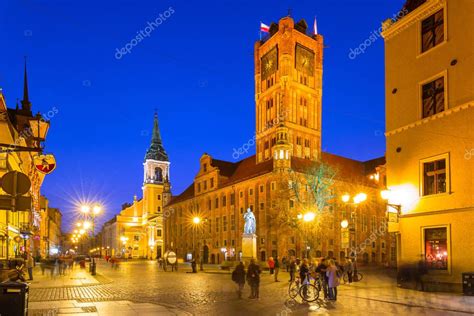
point(205, 221)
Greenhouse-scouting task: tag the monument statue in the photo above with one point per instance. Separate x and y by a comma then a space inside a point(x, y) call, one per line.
point(250, 226)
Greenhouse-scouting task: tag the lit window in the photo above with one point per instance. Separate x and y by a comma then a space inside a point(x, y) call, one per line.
point(436, 248)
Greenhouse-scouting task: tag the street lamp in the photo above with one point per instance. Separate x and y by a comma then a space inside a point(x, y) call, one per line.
point(360, 197)
point(307, 217)
point(90, 214)
point(85, 209)
point(196, 221)
point(97, 209)
point(344, 223)
point(357, 199)
point(345, 198)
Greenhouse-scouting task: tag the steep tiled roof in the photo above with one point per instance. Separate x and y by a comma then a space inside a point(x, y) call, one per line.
point(186, 194)
point(226, 168)
point(347, 169)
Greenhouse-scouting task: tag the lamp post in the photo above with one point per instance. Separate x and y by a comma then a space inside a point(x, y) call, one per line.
point(356, 200)
point(345, 235)
point(91, 214)
point(196, 222)
point(307, 218)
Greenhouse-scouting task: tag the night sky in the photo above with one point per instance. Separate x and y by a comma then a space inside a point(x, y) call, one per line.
point(195, 69)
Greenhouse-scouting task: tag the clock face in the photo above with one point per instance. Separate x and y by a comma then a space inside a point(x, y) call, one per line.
point(269, 63)
point(304, 60)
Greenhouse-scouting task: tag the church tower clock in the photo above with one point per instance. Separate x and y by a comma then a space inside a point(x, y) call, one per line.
point(156, 191)
point(288, 90)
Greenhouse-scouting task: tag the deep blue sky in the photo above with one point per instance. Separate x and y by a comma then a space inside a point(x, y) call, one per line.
point(196, 69)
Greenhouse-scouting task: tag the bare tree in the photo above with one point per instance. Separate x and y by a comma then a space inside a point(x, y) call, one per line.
point(301, 205)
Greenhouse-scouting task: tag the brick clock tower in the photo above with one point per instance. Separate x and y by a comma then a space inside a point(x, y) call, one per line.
point(288, 90)
point(156, 192)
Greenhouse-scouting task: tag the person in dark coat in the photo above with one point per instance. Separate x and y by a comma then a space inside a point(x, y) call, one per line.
point(321, 269)
point(238, 276)
point(304, 271)
point(253, 278)
point(292, 269)
point(277, 268)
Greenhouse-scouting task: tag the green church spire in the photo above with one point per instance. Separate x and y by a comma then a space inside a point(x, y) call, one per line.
point(156, 150)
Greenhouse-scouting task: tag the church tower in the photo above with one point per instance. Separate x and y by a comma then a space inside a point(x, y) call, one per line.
point(156, 191)
point(288, 90)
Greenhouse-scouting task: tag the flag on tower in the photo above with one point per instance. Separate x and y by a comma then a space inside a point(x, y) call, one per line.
point(315, 27)
point(264, 28)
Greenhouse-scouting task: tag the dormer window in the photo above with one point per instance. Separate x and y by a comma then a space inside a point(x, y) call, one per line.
point(204, 167)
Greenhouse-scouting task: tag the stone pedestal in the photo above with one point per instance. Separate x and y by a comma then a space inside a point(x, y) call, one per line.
point(249, 247)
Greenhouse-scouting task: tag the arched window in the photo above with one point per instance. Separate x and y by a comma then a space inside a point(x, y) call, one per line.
point(158, 174)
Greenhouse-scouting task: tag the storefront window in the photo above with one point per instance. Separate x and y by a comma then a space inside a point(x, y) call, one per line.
point(436, 248)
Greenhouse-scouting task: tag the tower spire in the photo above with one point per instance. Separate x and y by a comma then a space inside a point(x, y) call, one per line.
point(156, 150)
point(25, 103)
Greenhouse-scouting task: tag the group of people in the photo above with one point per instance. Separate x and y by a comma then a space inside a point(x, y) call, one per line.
point(328, 270)
point(252, 276)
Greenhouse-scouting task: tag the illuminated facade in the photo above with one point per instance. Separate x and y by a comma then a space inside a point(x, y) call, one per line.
point(288, 81)
point(137, 231)
point(430, 147)
point(20, 128)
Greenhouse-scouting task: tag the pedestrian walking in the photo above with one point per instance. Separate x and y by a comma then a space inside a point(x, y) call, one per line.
point(285, 264)
point(253, 278)
point(349, 269)
point(271, 264)
point(30, 263)
point(238, 276)
point(277, 268)
point(333, 280)
point(292, 269)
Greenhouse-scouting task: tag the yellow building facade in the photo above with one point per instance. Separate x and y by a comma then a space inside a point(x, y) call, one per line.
point(19, 131)
point(430, 136)
point(137, 231)
point(288, 90)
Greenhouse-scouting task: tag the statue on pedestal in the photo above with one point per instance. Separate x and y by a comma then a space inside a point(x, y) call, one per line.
point(250, 226)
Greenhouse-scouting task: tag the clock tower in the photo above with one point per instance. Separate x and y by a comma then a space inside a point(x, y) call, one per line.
point(288, 90)
point(156, 192)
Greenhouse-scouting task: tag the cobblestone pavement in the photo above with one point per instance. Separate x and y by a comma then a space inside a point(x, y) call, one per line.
point(215, 294)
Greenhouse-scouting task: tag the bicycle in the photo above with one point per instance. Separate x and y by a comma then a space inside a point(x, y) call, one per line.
point(293, 287)
point(309, 292)
point(355, 277)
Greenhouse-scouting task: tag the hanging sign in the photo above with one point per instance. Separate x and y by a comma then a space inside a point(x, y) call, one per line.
point(45, 163)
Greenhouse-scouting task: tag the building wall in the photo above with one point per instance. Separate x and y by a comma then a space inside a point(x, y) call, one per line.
point(272, 239)
point(294, 89)
point(27, 220)
point(413, 140)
